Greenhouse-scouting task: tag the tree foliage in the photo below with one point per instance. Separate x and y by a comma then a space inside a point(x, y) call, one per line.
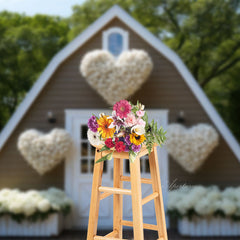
point(26, 46)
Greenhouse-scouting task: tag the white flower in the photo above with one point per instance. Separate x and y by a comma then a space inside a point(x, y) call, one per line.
point(138, 129)
point(28, 203)
point(227, 206)
point(44, 205)
point(94, 138)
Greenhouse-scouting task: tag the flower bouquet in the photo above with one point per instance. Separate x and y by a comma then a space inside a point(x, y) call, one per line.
point(126, 130)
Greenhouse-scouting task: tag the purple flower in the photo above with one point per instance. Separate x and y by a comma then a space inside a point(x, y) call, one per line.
point(127, 140)
point(92, 124)
point(136, 148)
point(126, 148)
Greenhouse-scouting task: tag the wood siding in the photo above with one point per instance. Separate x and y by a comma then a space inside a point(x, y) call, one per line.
point(67, 89)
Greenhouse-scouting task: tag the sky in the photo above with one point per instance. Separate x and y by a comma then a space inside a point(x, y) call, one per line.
point(32, 7)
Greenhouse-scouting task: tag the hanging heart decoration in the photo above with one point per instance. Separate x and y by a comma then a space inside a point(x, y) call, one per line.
point(116, 79)
point(191, 147)
point(44, 151)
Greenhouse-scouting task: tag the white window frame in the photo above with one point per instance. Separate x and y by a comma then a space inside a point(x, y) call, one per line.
point(123, 33)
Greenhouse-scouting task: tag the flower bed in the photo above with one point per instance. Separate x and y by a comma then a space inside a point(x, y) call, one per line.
point(32, 213)
point(203, 211)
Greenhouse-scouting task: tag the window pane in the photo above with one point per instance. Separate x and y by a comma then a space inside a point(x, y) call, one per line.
point(84, 166)
point(105, 166)
point(147, 168)
point(115, 43)
point(127, 170)
point(92, 149)
point(92, 165)
point(141, 164)
point(84, 149)
point(84, 129)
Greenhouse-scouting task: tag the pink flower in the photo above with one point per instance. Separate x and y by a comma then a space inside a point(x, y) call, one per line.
point(140, 113)
point(130, 120)
point(141, 122)
point(122, 108)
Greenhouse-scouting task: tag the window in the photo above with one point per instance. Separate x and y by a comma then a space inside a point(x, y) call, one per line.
point(115, 40)
point(87, 153)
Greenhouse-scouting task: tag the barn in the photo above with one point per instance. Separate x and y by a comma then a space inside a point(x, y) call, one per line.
point(62, 98)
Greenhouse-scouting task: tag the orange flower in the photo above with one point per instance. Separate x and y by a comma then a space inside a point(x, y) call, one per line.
point(104, 129)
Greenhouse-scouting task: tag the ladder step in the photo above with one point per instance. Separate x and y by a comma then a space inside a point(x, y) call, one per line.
point(149, 198)
point(145, 225)
point(104, 195)
point(107, 238)
point(143, 180)
point(113, 190)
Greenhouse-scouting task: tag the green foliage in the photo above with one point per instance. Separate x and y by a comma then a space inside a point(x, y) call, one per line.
point(27, 44)
point(153, 134)
point(132, 156)
point(104, 158)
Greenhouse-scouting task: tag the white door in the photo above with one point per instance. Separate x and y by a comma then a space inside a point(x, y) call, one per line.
point(79, 168)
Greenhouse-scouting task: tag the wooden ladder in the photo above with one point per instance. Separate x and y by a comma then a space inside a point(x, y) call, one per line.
point(100, 192)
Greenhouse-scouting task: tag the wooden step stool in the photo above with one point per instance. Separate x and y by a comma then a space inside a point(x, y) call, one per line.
point(100, 192)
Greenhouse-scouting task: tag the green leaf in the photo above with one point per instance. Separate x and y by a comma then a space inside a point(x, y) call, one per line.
point(104, 148)
point(132, 156)
point(106, 157)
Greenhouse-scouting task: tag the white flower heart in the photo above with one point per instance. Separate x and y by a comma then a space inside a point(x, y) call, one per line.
point(116, 79)
point(191, 147)
point(44, 151)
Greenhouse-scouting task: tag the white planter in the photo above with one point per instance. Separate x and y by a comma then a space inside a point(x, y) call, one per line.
point(51, 226)
point(208, 227)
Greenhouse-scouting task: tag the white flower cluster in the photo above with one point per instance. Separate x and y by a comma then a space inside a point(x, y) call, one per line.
point(30, 202)
point(205, 201)
point(94, 138)
point(44, 151)
point(191, 147)
point(116, 79)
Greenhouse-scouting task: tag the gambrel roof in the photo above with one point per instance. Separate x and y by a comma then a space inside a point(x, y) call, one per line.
point(117, 12)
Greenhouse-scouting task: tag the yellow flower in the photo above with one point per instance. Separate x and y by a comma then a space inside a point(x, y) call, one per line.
point(103, 127)
point(137, 139)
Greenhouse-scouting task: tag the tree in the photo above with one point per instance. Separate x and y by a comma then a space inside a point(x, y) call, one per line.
point(26, 46)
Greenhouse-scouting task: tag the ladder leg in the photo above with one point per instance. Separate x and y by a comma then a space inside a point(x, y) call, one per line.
point(136, 199)
point(117, 198)
point(95, 198)
point(158, 202)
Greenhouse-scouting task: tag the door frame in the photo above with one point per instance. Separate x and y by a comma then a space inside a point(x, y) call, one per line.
point(69, 174)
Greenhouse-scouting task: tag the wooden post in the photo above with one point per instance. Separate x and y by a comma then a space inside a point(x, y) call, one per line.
point(158, 201)
point(136, 199)
point(95, 197)
point(117, 198)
